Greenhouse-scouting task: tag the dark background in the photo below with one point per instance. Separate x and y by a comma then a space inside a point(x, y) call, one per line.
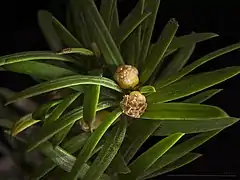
point(20, 32)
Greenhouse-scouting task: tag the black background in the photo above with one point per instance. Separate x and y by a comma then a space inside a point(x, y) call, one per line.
point(20, 32)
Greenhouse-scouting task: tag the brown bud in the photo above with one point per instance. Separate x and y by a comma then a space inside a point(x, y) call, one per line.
point(134, 104)
point(126, 76)
point(100, 116)
point(58, 94)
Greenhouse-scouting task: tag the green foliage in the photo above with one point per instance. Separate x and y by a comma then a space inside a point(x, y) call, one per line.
point(49, 32)
point(179, 60)
point(118, 165)
point(176, 164)
point(63, 122)
point(23, 123)
point(203, 96)
point(64, 83)
point(107, 11)
point(81, 51)
point(91, 96)
point(108, 152)
point(186, 40)
point(147, 89)
point(148, 158)
point(196, 126)
point(91, 143)
point(71, 146)
point(135, 140)
point(58, 111)
point(182, 111)
point(35, 69)
point(131, 47)
point(168, 80)
point(192, 84)
point(147, 27)
point(128, 26)
point(181, 150)
point(101, 35)
point(156, 54)
point(83, 57)
point(30, 56)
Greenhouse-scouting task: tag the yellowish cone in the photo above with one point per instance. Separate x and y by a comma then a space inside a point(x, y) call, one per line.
point(126, 76)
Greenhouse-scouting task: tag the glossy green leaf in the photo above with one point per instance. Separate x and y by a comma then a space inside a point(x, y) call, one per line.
point(134, 139)
point(64, 82)
point(145, 160)
point(147, 89)
point(79, 23)
point(42, 110)
point(59, 110)
point(176, 164)
point(96, 50)
point(129, 51)
point(118, 165)
point(77, 109)
point(58, 155)
point(75, 143)
point(46, 25)
point(115, 20)
point(186, 40)
point(48, 132)
point(108, 152)
point(148, 26)
point(84, 155)
point(139, 35)
point(168, 80)
point(87, 28)
point(192, 84)
point(71, 146)
point(35, 69)
point(81, 51)
point(181, 150)
point(67, 38)
point(131, 47)
point(59, 137)
point(23, 123)
point(168, 127)
point(182, 111)
point(179, 61)
point(108, 94)
point(129, 25)
point(156, 55)
point(203, 96)
point(107, 9)
point(56, 113)
point(101, 34)
point(30, 56)
point(91, 98)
